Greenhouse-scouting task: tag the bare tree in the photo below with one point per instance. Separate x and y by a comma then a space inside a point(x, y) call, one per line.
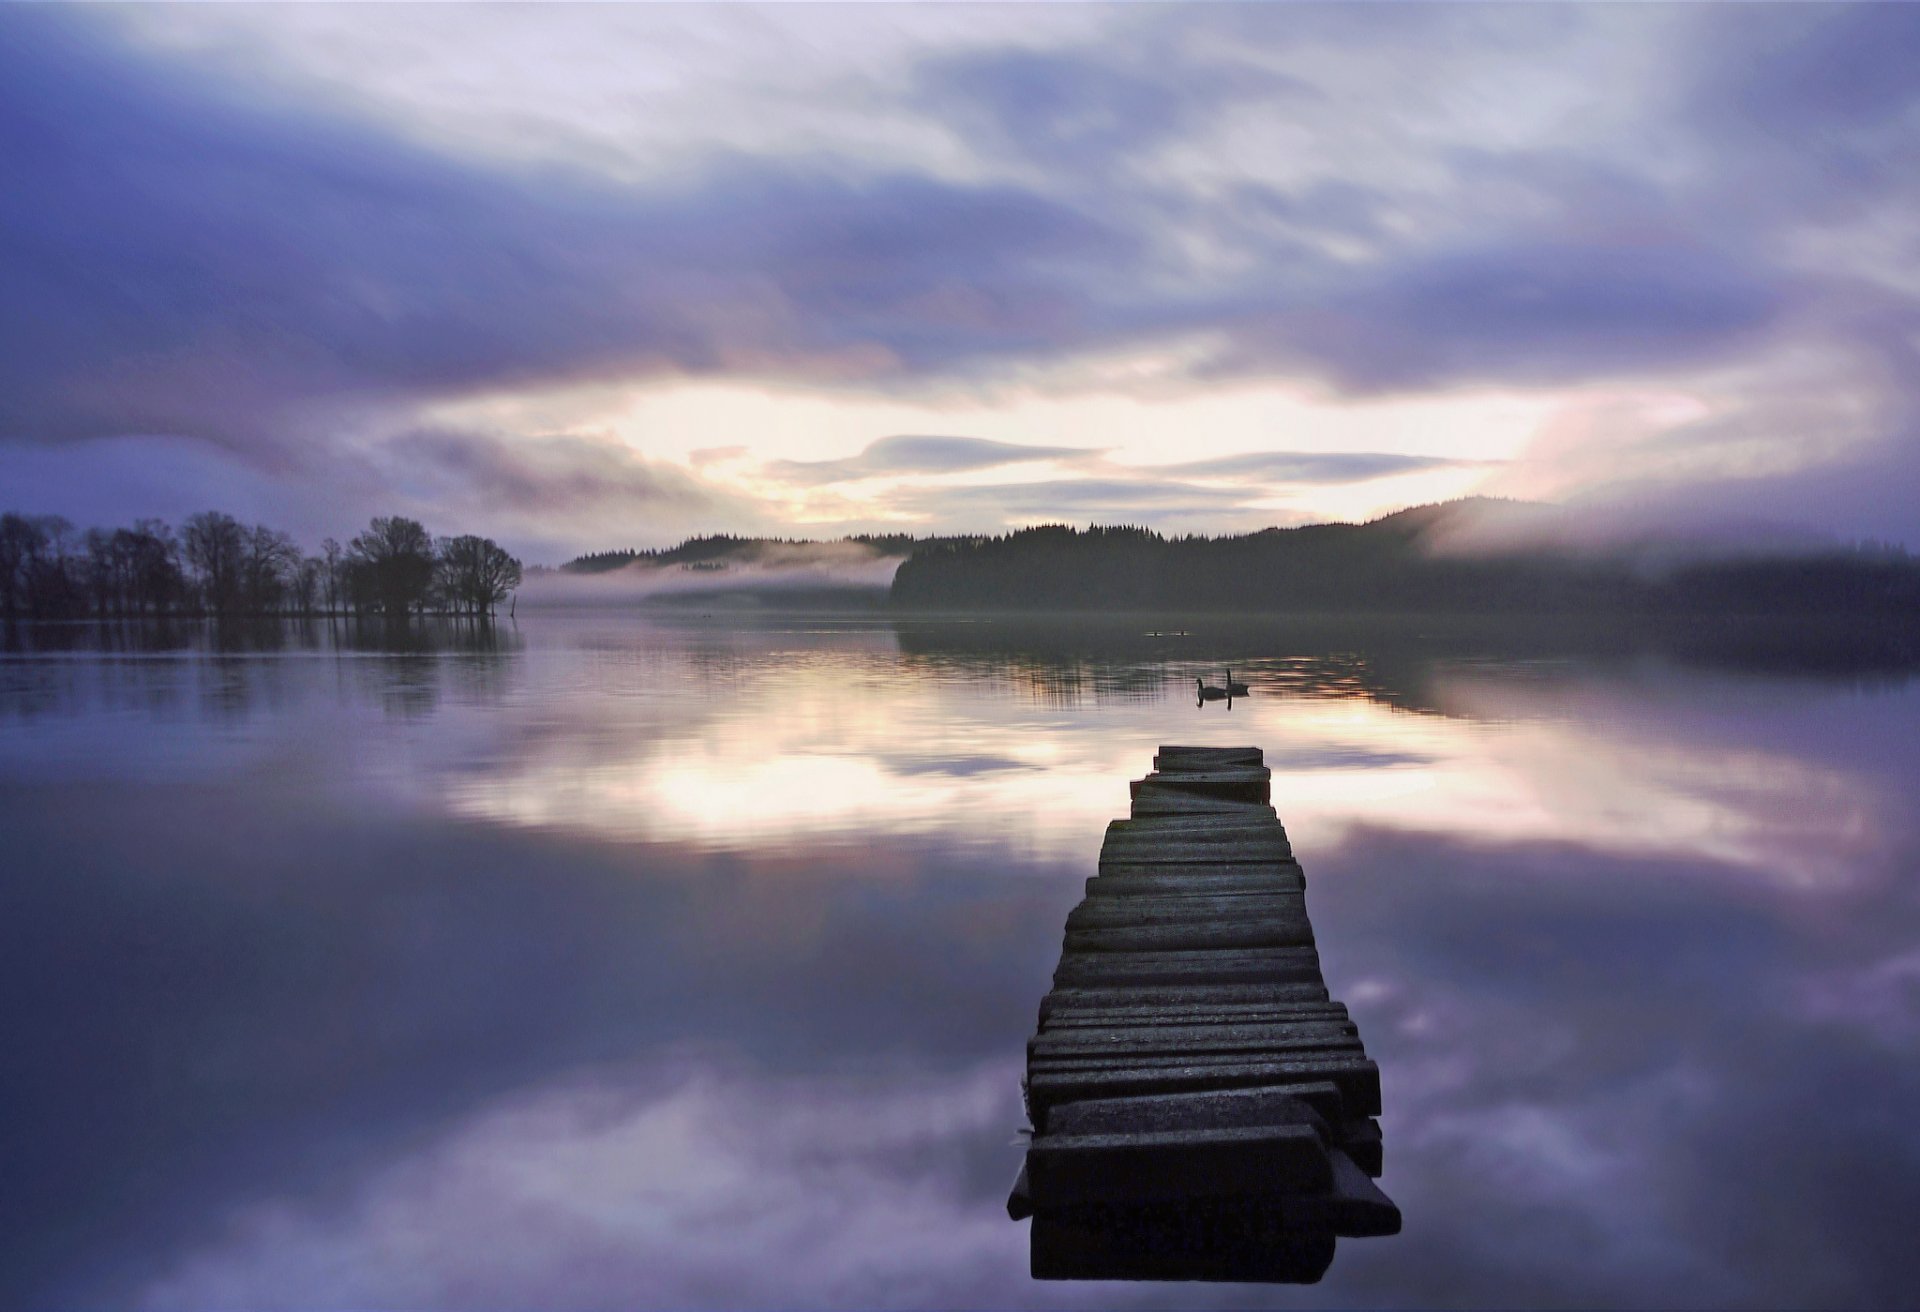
point(476, 573)
point(18, 542)
point(157, 584)
point(393, 566)
point(332, 559)
point(215, 547)
point(268, 561)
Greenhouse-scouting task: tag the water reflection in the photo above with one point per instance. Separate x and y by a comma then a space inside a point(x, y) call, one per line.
point(640, 963)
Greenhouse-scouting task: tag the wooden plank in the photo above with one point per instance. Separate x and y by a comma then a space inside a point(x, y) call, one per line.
point(1020, 1198)
point(1253, 966)
point(1226, 936)
point(1360, 1139)
point(1273, 877)
point(1213, 1013)
point(1266, 867)
point(1181, 888)
point(1166, 1165)
point(1170, 789)
point(1080, 1063)
point(1178, 757)
point(1194, 851)
point(1186, 827)
point(1191, 1040)
point(1240, 785)
point(1178, 995)
point(1167, 802)
point(1201, 1035)
point(1315, 1104)
point(1357, 1078)
point(1174, 908)
point(1353, 1207)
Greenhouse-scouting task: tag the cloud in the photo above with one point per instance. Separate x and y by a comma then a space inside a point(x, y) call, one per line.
point(536, 476)
point(1107, 500)
point(1322, 198)
point(920, 455)
point(1077, 110)
point(179, 262)
point(1518, 311)
point(1312, 466)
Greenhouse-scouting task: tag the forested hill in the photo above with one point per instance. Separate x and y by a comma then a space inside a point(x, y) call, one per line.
point(1413, 561)
point(723, 548)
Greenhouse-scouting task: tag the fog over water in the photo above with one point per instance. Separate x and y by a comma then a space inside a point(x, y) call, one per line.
point(641, 959)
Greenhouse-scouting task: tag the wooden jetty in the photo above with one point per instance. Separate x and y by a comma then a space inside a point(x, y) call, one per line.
point(1202, 1109)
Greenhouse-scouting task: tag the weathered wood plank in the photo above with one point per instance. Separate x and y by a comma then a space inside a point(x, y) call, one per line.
point(1173, 908)
point(1353, 1207)
point(1068, 997)
point(1171, 858)
point(1127, 888)
point(1316, 1104)
point(1202, 758)
point(1357, 1078)
point(1225, 936)
point(1159, 828)
point(1065, 1169)
point(1360, 1139)
point(1268, 867)
point(1253, 966)
point(1250, 784)
point(1151, 836)
point(1172, 802)
point(1191, 1040)
point(1277, 876)
point(1020, 1198)
point(1215, 1013)
point(1196, 1031)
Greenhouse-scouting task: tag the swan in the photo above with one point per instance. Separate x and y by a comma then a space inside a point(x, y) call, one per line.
point(1235, 689)
point(1208, 694)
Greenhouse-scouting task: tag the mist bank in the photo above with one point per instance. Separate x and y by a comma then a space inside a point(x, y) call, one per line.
point(852, 573)
point(1473, 557)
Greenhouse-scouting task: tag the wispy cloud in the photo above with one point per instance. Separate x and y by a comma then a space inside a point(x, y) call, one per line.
point(920, 455)
point(1313, 466)
point(1353, 203)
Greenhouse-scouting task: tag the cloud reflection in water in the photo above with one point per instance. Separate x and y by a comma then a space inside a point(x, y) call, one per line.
point(485, 999)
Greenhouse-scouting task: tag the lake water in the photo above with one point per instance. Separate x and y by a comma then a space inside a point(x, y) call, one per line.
point(621, 960)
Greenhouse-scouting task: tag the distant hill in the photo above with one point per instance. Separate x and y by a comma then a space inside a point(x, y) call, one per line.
point(851, 573)
point(1476, 556)
point(723, 549)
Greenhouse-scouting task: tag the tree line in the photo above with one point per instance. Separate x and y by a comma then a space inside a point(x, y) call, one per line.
point(716, 547)
point(214, 565)
point(1386, 567)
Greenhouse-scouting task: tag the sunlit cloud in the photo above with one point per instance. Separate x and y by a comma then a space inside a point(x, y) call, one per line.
point(919, 455)
point(1646, 256)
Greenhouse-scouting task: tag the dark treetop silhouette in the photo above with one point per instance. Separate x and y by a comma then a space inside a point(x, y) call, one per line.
point(218, 566)
point(1396, 564)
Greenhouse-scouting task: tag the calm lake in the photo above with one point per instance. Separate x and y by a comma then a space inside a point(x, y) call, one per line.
point(636, 959)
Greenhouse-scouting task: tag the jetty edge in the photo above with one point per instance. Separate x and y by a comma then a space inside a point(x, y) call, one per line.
point(1202, 1107)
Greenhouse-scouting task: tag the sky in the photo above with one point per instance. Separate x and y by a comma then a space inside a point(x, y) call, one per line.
point(606, 276)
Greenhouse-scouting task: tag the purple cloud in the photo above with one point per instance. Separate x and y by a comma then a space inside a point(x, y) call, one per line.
point(921, 455)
